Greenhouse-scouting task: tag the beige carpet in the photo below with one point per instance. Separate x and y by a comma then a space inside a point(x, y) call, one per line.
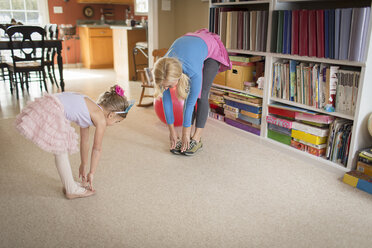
point(237, 192)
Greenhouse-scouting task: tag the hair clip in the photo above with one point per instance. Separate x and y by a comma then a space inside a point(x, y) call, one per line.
point(119, 90)
point(131, 103)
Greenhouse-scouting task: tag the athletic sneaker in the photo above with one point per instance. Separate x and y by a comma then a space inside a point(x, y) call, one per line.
point(177, 149)
point(193, 148)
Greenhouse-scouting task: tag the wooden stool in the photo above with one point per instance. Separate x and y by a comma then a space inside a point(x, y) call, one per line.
point(146, 78)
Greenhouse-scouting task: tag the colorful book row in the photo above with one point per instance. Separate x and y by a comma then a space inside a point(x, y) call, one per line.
point(318, 134)
point(325, 33)
point(317, 85)
point(239, 28)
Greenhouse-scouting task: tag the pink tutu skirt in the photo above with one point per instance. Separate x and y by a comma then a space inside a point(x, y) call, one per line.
point(44, 123)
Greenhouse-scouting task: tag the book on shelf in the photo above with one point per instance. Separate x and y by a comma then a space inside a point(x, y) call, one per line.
point(295, 32)
point(239, 28)
point(287, 29)
point(345, 23)
point(359, 27)
point(337, 33)
point(280, 137)
point(274, 25)
point(279, 129)
point(326, 33)
point(279, 121)
point(331, 33)
point(320, 33)
point(323, 33)
point(304, 40)
point(317, 131)
point(364, 168)
point(316, 85)
point(308, 147)
point(339, 141)
point(313, 35)
point(252, 28)
point(279, 30)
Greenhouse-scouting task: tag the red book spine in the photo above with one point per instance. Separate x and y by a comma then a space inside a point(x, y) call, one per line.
point(240, 30)
point(312, 33)
point(282, 112)
point(303, 42)
point(320, 32)
point(295, 25)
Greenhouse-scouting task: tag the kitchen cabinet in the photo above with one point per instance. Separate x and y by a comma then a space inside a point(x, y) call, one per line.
point(96, 47)
point(128, 2)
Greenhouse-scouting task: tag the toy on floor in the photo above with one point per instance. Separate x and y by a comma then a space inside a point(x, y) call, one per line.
point(177, 108)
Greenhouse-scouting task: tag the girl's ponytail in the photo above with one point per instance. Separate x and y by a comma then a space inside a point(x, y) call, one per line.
point(183, 86)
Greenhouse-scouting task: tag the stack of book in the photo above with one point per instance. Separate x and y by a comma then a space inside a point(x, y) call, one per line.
point(243, 111)
point(310, 132)
point(361, 178)
point(216, 103)
point(280, 120)
point(324, 33)
point(364, 164)
point(318, 134)
point(318, 85)
point(339, 141)
point(239, 28)
point(358, 180)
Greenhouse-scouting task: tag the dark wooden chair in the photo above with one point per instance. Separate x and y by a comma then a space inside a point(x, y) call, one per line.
point(52, 33)
point(3, 60)
point(29, 58)
point(146, 78)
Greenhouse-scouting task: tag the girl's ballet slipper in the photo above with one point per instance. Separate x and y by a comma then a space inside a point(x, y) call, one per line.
point(85, 194)
point(82, 184)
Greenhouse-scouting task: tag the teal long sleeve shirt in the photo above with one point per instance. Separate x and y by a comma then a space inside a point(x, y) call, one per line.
point(191, 52)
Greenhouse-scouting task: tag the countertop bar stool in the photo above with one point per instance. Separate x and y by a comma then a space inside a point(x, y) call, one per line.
point(147, 80)
point(29, 57)
point(141, 46)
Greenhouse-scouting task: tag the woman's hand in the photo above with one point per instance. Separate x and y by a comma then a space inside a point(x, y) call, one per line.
point(173, 138)
point(90, 181)
point(82, 173)
point(185, 138)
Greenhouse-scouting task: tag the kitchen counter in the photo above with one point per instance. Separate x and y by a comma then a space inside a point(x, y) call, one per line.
point(125, 39)
point(111, 26)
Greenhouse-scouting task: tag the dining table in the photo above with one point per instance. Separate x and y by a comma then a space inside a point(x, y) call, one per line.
point(5, 45)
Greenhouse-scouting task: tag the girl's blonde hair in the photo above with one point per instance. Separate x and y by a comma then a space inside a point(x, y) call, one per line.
point(113, 102)
point(170, 69)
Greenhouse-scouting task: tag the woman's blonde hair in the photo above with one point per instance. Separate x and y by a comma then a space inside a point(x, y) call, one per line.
point(170, 69)
point(113, 102)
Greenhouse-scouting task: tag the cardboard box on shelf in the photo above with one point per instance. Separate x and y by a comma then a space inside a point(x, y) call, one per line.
point(220, 78)
point(236, 77)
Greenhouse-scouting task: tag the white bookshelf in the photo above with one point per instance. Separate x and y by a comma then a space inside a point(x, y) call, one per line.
point(360, 137)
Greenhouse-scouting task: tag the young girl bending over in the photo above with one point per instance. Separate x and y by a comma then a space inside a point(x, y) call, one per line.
point(46, 122)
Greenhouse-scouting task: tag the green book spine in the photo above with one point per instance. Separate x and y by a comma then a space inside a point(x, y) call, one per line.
point(282, 138)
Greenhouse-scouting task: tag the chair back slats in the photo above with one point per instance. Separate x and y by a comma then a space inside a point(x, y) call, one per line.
point(158, 53)
point(29, 37)
point(51, 33)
